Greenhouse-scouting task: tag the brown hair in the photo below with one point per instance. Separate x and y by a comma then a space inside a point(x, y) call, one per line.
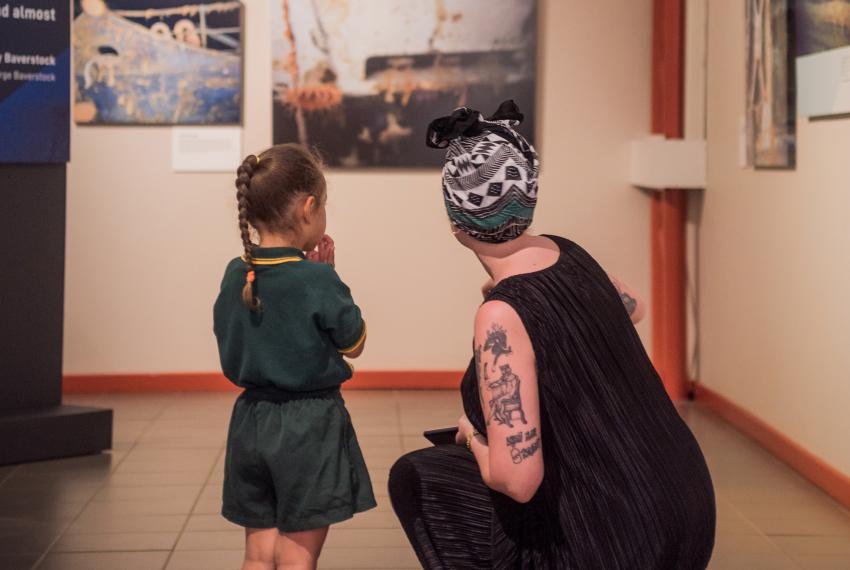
point(266, 187)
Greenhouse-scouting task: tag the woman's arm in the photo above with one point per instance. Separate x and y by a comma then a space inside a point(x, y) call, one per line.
point(634, 304)
point(511, 458)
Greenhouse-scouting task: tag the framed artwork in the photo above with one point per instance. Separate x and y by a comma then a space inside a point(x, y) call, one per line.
point(770, 98)
point(823, 57)
point(157, 62)
point(360, 80)
point(35, 83)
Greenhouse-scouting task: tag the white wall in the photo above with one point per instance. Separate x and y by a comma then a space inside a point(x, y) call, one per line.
point(775, 316)
point(146, 247)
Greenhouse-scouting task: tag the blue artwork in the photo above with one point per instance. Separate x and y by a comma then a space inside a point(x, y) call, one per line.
point(34, 82)
point(158, 62)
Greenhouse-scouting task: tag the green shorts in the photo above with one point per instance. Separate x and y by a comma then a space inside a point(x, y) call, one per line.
point(293, 462)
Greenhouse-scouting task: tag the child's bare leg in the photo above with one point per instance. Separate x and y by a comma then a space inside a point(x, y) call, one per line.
point(259, 548)
point(299, 550)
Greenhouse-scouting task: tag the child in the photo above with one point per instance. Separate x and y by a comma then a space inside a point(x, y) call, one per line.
point(284, 321)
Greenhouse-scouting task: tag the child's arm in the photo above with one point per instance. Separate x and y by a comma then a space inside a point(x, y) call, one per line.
point(634, 304)
point(339, 316)
point(357, 349)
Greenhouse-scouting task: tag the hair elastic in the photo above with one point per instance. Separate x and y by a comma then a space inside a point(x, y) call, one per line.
point(258, 159)
point(250, 276)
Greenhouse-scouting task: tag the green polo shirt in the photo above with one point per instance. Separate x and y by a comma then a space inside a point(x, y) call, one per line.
point(307, 323)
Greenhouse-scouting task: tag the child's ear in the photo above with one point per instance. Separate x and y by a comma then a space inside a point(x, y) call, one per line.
point(309, 207)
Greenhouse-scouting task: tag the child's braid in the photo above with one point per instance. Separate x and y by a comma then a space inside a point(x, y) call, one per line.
point(243, 184)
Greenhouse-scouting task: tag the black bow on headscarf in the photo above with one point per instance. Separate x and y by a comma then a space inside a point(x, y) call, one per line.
point(464, 122)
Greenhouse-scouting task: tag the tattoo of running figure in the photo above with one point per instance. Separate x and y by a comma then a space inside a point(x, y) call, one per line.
point(497, 343)
point(518, 454)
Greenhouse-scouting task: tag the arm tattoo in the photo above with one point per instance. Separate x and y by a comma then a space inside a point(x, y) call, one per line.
point(497, 343)
point(518, 454)
point(505, 402)
point(628, 301)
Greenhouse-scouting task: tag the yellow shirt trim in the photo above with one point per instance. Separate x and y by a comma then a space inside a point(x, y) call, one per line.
point(356, 345)
point(272, 260)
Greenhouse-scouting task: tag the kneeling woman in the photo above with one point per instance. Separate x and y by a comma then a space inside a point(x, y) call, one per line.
point(572, 455)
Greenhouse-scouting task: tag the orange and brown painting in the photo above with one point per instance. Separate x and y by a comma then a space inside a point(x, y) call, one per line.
point(361, 79)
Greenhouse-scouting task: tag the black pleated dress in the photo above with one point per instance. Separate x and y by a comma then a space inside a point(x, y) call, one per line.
point(625, 486)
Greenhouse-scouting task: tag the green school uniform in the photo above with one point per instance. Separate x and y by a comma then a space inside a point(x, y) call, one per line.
point(293, 461)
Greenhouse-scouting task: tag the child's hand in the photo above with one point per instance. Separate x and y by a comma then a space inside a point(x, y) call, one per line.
point(324, 252)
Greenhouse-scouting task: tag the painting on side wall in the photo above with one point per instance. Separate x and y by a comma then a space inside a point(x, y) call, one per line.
point(770, 98)
point(157, 62)
point(823, 57)
point(359, 80)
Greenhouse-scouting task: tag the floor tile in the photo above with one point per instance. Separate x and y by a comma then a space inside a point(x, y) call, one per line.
point(206, 560)
point(150, 492)
point(749, 552)
point(6, 471)
point(129, 430)
point(813, 545)
point(28, 537)
point(18, 561)
point(158, 495)
point(96, 522)
point(207, 506)
point(823, 562)
point(140, 507)
point(212, 540)
point(798, 519)
point(365, 538)
point(371, 519)
point(136, 479)
point(210, 522)
point(394, 558)
point(105, 560)
point(117, 541)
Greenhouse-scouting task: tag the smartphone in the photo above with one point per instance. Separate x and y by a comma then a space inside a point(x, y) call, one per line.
point(442, 436)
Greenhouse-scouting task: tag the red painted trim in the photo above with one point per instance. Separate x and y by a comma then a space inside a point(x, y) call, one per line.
point(215, 382)
point(810, 466)
point(667, 240)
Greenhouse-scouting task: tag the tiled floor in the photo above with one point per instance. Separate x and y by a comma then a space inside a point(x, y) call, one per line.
point(152, 503)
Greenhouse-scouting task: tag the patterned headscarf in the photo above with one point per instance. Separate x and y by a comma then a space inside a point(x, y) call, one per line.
point(490, 174)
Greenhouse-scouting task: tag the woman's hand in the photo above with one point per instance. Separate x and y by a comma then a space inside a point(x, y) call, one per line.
point(464, 428)
point(324, 252)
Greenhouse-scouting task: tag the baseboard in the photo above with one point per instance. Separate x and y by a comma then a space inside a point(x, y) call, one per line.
point(216, 382)
point(810, 466)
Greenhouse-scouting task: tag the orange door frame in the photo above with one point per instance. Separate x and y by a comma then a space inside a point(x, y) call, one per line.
point(669, 206)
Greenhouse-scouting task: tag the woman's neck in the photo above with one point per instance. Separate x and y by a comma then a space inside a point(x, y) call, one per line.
point(524, 254)
point(499, 260)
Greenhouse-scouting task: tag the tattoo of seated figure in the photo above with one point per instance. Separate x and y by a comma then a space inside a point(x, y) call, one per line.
point(497, 343)
point(505, 400)
point(518, 454)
